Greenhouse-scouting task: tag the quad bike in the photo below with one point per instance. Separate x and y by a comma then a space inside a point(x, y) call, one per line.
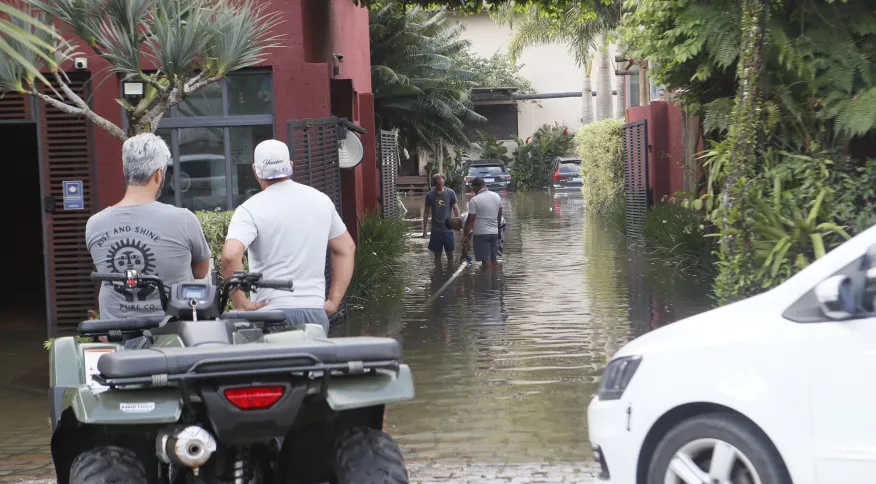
point(199, 396)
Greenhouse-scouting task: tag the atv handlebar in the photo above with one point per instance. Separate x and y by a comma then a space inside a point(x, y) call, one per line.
point(135, 323)
point(274, 284)
point(257, 316)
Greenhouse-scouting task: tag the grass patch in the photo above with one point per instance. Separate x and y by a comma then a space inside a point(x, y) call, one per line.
point(677, 237)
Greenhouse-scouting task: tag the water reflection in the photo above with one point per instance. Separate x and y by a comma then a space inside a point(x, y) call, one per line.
point(506, 361)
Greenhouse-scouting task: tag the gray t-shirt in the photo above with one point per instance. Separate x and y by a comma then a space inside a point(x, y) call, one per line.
point(286, 229)
point(485, 205)
point(154, 238)
point(442, 207)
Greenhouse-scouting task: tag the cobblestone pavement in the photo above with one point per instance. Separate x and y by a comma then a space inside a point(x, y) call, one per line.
point(534, 473)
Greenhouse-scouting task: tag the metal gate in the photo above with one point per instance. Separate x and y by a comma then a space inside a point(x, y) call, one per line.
point(313, 147)
point(636, 192)
point(389, 174)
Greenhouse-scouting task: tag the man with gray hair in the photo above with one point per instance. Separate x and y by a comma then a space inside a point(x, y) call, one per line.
point(143, 234)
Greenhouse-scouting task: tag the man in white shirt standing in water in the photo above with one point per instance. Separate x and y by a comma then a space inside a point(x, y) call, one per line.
point(484, 218)
point(287, 228)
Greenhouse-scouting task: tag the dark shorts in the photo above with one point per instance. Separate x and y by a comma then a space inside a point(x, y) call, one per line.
point(486, 247)
point(441, 242)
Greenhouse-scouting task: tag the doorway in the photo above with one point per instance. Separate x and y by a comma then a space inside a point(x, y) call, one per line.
point(24, 306)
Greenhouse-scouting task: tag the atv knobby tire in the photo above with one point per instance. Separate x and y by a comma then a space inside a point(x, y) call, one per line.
point(107, 465)
point(368, 456)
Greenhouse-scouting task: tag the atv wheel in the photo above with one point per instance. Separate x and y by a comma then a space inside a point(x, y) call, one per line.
point(368, 456)
point(107, 465)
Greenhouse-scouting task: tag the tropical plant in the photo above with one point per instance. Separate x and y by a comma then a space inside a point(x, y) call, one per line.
point(215, 224)
point(675, 235)
point(532, 161)
point(489, 148)
point(27, 39)
point(419, 87)
point(600, 146)
point(382, 242)
point(583, 26)
point(191, 43)
point(498, 70)
point(550, 7)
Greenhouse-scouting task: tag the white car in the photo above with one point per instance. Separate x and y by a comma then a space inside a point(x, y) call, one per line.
point(779, 388)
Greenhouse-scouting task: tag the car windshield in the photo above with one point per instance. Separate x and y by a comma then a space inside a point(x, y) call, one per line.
point(486, 170)
point(570, 167)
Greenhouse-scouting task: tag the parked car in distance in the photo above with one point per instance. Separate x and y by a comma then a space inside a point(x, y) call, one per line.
point(496, 176)
point(566, 173)
point(772, 389)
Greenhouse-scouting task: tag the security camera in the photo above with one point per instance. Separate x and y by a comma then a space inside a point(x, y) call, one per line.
point(80, 63)
point(339, 57)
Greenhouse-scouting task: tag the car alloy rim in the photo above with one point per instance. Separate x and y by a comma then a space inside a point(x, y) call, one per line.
point(710, 461)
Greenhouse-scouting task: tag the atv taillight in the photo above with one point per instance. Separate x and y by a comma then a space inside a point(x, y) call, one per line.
point(254, 398)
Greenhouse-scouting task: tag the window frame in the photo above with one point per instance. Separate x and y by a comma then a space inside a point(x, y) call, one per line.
point(226, 122)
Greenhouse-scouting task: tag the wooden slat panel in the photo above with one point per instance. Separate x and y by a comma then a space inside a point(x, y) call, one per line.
point(636, 195)
point(14, 106)
point(67, 155)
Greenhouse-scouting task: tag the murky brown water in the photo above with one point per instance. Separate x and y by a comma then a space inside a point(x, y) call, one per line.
point(505, 363)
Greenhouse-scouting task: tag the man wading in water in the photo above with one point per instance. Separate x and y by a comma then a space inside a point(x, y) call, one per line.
point(439, 202)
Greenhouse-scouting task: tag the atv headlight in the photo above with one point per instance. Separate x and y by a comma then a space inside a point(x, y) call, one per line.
point(617, 375)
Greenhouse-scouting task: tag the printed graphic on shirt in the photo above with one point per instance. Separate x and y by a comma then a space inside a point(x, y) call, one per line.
point(441, 202)
point(130, 253)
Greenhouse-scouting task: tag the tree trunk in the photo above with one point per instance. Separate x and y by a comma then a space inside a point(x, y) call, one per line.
point(586, 97)
point(690, 145)
point(620, 101)
point(603, 89)
point(736, 250)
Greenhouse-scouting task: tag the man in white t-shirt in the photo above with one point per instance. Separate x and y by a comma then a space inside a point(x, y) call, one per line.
point(484, 219)
point(286, 229)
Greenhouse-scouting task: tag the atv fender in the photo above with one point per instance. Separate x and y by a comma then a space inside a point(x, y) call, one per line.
point(135, 407)
point(311, 331)
point(370, 390)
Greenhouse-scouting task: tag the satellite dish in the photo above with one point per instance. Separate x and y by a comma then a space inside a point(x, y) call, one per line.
point(350, 151)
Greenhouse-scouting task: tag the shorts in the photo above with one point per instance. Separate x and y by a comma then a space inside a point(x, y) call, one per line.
point(486, 247)
point(441, 241)
point(307, 316)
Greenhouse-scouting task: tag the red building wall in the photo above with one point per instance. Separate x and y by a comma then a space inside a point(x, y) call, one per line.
point(665, 146)
point(302, 69)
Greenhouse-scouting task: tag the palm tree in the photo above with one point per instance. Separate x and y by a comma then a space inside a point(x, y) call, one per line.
point(24, 38)
point(192, 43)
point(418, 87)
point(583, 28)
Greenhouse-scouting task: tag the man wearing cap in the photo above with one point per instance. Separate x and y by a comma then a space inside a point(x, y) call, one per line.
point(286, 229)
point(482, 223)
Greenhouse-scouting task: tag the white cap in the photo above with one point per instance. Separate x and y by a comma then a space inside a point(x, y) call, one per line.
point(271, 160)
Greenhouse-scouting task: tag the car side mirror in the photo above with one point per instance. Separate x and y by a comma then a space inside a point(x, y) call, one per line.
point(836, 298)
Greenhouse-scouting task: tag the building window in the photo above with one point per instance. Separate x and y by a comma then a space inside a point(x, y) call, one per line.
point(501, 121)
point(212, 135)
point(633, 85)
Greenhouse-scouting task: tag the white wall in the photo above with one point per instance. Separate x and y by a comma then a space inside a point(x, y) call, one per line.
point(550, 68)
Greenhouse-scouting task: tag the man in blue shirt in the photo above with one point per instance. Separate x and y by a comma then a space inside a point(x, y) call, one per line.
point(439, 202)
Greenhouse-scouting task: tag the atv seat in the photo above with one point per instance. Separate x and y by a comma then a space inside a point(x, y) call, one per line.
point(171, 361)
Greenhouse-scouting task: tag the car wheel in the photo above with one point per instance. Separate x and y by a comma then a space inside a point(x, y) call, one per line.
point(716, 448)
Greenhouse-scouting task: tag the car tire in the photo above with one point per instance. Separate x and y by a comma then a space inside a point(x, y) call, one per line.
point(107, 465)
point(743, 437)
point(368, 456)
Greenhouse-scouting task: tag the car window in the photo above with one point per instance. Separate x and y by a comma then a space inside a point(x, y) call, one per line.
point(569, 167)
point(486, 170)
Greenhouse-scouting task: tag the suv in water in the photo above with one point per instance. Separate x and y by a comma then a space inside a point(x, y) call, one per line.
point(495, 174)
point(566, 173)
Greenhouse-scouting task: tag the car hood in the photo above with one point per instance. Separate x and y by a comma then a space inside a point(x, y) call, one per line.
point(747, 320)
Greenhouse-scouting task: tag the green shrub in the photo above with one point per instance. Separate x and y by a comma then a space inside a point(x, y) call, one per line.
point(532, 161)
point(676, 236)
point(615, 214)
point(600, 146)
point(382, 241)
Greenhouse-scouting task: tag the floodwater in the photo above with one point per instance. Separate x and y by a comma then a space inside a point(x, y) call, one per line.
point(506, 362)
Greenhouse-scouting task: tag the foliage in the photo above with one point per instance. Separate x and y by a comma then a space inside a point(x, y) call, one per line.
point(419, 87)
point(382, 242)
point(26, 41)
point(553, 8)
point(676, 235)
point(215, 224)
point(600, 146)
point(192, 43)
point(580, 26)
point(490, 148)
point(614, 214)
point(498, 70)
point(531, 162)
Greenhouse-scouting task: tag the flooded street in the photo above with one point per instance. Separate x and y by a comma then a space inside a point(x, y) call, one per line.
point(505, 363)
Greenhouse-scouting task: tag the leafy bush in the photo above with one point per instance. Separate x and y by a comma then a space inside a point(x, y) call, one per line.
point(600, 146)
point(215, 225)
point(532, 161)
point(382, 241)
point(676, 236)
point(498, 70)
point(491, 149)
